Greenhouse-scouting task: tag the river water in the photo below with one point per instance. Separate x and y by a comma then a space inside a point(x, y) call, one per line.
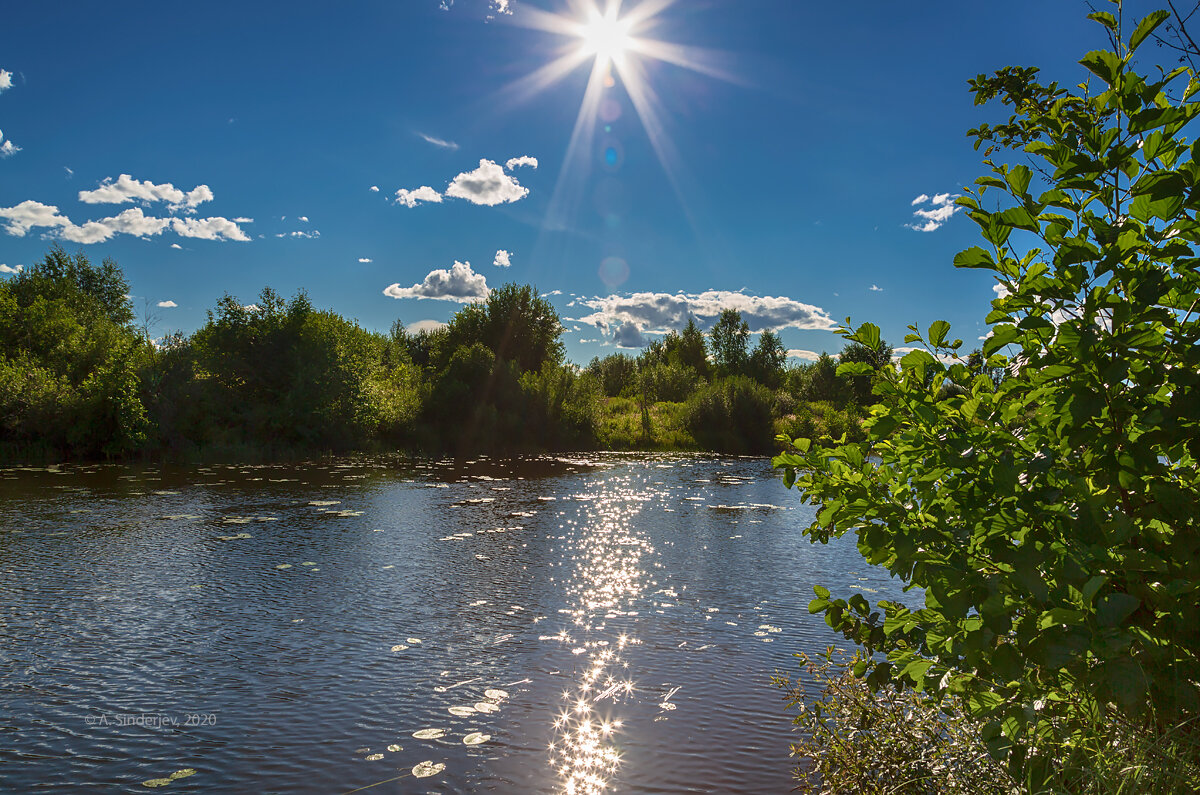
point(567, 625)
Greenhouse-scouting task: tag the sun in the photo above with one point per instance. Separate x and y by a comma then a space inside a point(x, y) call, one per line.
point(605, 36)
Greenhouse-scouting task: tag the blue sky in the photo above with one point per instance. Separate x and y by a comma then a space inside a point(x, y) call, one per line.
point(221, 147)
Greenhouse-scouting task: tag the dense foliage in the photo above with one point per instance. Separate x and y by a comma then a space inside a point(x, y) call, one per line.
point(1049, 518)
point(279, 377)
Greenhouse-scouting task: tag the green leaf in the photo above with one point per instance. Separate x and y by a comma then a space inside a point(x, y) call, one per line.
point(1115, 608)
point(1104, 64)
point(1018, 218)
point(974, 257)
point(1018, 179)
point(1001, 335)
point(1147, 26)
point(867, 334)
point(937, 332)
point(821, 591)
point(1104, 18)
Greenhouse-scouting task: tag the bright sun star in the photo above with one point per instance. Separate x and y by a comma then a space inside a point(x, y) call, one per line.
point(604, 35)
point(612, 42)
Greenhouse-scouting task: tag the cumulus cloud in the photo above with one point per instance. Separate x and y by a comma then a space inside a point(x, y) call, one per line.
point(503, 259)
point(425, 325)
point(555, 292)
point(176, 245)
point(502, 6)
point(216, 228)
point(303, 219)
point(5, 80)
point(438, 142)
point(411, 198)
point(487, 185)
point(459, 283)
point(875, 288)
point(11, 269)
point(941, 208)
point(374, 189)
point(524, 160)
point(800, 353)
point(628, 335)
point(29, 214)
point(166, 304)
point(8, 147)
point(32, 214)
point(127, 189)
point(364, 260)
point(306, 235)
point(658, 313)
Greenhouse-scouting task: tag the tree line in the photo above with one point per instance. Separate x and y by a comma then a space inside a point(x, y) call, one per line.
point(80, 377)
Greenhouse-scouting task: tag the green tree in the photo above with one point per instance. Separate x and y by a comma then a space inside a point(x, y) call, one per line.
point(514, 323)
point(729, 339)
point(691, 351)
point(766, 361)
point(1051, 521)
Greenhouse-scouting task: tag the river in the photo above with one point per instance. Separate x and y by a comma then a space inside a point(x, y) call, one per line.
point(608, 623)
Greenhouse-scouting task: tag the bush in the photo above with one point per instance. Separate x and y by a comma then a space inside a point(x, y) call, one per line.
point(731, 415)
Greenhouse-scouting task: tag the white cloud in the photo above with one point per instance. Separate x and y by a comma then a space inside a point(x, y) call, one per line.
point(555, 292)
point(487, 185)
point(5, 80)
point(70, 171)
point(800, 353)
point(216, 228)
point(459, 283)
point(502, 6)
point(166, 304)
point(12, 269)
point(303, 219)
point(176, 245)
point(134, 222)
point(875, 288)
point(374, 189)
point(503, 259)
point(8, 147)
point(243, 220)
point(424, 325)
point(658, 313)
point(411, 198)
point(942, 207)
point(628, 335)
point(439, 142)
point(29, 214)
point(1000, 290)
point(524, 160)
point(364, 260)
point(305, 235)
point(127, 189)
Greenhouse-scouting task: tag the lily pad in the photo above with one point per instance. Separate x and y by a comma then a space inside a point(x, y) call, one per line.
point(476, 738)
point(320, 503)
point(374, 757)
point(394, 748)
point(399, 647)
point(427, 769)
point(413, 641)
point(282, 566)
point(495, 695)
point(308, 563)
point(156, 782)
point(487, 707)
point(461, 712)
point(187, 771)
point(430, 734)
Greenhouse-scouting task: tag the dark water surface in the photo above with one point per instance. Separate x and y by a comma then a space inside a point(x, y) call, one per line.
point(607, 623)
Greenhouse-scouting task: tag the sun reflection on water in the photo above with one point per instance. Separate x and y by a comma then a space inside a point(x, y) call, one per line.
point(608, 576)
